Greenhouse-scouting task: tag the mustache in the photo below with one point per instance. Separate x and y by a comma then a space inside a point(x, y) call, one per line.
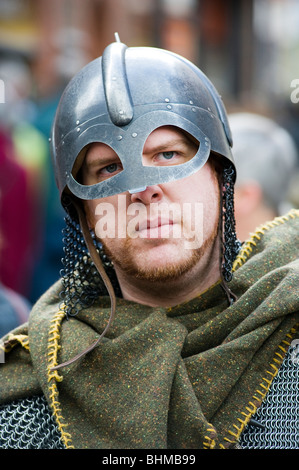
point(155, 215)
point(157, 220)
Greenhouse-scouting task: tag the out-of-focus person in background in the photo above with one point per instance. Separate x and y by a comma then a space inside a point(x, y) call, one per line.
point(16, 219)
point(266, 158)
point(16, 204)
point(71, 46)
point(14, 308)
point(31, 263)
point(22, 180)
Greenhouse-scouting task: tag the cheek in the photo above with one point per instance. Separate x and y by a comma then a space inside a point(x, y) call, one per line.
point(106, 213)
point(200, 187)
point(205, 189)
point(95, 209)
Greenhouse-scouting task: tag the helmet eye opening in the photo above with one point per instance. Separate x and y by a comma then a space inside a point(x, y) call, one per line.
point(168, 146)
point(97, 162)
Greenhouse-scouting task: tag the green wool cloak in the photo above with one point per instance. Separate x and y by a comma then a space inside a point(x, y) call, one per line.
point(188, 377)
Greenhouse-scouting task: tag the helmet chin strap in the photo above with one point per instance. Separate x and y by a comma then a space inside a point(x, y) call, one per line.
point(98, 264)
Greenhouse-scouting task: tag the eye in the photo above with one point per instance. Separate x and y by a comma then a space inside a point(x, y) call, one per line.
point(100, 163)
point(111, 168)
point(168, 155)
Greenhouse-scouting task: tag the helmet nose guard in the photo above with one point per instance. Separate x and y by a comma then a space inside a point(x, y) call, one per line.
point(119, 99)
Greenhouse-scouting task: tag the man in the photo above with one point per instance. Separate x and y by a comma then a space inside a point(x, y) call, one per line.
point(162, 333)
point(266, 159)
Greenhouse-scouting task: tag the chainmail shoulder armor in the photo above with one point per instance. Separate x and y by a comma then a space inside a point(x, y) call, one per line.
point(28, 424)
point(276, 423)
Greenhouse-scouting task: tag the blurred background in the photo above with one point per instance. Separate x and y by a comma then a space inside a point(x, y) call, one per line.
point(248, 48)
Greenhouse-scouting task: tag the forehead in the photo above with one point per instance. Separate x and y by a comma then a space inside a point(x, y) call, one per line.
point(163, 135)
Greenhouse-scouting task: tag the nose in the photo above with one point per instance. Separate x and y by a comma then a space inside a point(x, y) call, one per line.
point(149, 195)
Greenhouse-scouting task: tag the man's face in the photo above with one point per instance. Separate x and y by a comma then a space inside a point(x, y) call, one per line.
point(167, 229)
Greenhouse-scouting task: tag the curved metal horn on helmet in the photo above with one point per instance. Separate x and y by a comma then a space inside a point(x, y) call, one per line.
point(116, 88)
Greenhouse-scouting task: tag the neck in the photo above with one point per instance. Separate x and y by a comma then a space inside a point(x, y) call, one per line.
point(173, 291)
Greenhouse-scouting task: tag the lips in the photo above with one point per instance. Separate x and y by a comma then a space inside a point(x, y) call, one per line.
point(153, 224)
point(159, 228)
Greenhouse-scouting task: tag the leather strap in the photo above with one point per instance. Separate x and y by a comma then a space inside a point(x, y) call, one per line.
point(98, 263)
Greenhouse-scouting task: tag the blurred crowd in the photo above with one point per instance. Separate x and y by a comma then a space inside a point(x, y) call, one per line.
point(31, 217)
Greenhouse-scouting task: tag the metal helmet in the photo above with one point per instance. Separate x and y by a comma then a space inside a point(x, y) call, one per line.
point(119, 99)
